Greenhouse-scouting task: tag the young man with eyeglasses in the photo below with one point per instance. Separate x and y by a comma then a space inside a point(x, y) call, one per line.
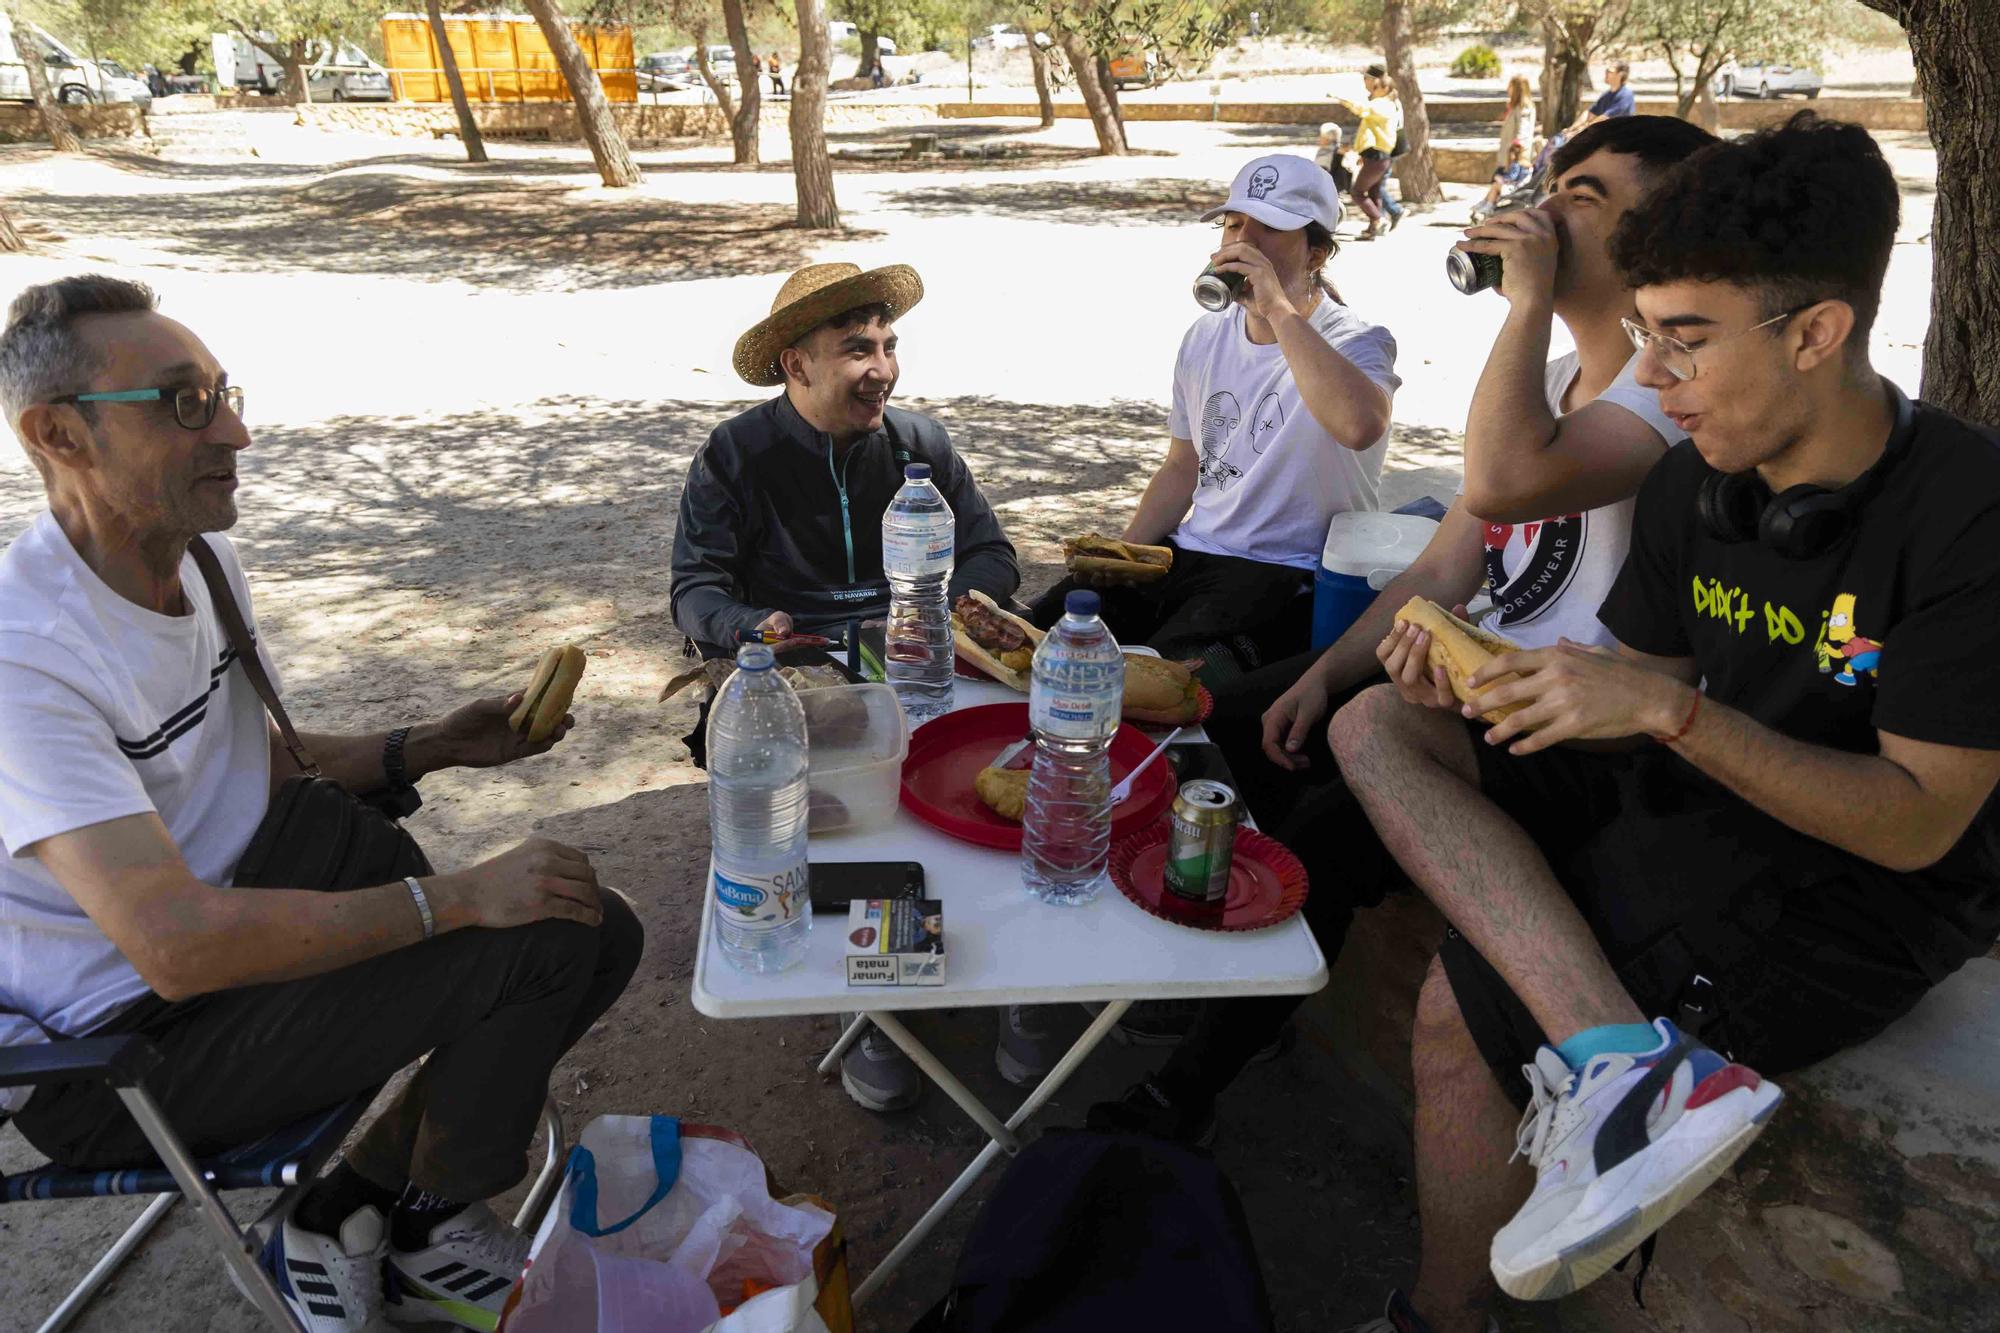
point(1793, 834)
point(137, 761)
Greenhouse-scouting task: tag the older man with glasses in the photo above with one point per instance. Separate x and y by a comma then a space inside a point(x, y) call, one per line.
point(136, 764)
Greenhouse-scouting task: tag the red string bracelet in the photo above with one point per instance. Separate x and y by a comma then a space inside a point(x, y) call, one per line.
point(1686, 725)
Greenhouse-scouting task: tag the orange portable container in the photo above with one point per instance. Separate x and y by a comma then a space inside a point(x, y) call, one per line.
point(501, 58)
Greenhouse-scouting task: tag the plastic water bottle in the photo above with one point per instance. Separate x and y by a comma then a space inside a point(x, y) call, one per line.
point(757, 816)
point(1073, 705)
point(919, 537)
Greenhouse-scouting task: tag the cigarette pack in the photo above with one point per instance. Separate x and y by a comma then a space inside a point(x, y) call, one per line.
point(895, 942)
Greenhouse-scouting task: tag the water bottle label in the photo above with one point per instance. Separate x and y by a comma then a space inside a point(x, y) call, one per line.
point(919, 553)
point(762, 902)
point(1071, 716)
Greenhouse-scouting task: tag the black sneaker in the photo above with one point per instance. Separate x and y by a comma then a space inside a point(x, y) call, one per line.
point(1146, 1108)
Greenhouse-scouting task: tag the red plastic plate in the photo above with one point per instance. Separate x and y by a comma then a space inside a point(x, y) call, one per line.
point(1266, 882)
point(947, 753)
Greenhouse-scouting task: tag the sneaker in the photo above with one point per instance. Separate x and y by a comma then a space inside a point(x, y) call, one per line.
point(1148, 1108)
point(462, 1277)
point(877, 1074)
point(1399, 1316)
point(1028, 1047)
point(1620, 1146)
point(331, 1284)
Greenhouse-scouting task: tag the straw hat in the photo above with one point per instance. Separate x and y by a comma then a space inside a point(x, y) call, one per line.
point(812, 296)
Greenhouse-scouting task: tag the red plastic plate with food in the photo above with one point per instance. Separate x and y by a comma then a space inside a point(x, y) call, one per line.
point(1266, 882)
point(948, 753)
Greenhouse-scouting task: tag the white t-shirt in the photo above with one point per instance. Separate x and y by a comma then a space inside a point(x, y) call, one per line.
point(1547, 579)
point(1272, 478)
point(106, 710)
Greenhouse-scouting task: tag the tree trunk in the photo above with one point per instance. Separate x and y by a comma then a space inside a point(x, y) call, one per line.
point(1957, 50)
point(292, 60)
point(468, 128)
point(716, 85)
point(1110, 86)
point(10, 240)
point(1110, 134)
point(1040, 60)
point(866, 68)
point(812, 169)
point(61, 137)
point(1416, 173)
point(1572, 70)
point(1706, 113)
point(749, 86)
point(593, 112)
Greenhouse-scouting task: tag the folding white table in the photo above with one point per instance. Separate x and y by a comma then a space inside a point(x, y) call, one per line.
point(1003, 947)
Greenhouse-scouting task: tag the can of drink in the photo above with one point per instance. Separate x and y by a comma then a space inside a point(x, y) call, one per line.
point(1217, 291)
point(1202, 842)
point(1471, 273)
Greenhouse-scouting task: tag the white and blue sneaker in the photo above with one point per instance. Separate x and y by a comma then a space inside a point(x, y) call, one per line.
point(462, 1277)
point(1620, 1145)
point(333, 1284)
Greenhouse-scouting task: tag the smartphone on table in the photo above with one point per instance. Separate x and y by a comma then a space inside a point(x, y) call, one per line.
point(837, 883)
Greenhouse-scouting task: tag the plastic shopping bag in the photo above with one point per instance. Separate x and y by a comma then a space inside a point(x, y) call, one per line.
point(661, 1227)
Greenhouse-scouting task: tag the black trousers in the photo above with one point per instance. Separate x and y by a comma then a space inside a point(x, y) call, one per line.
point(1203, 598)
point(494, 1009)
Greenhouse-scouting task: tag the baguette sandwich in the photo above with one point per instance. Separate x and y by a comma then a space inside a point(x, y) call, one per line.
point(998, 642)
point(1461, 649)
point(1160, 693)
point(547, 698)
point(1097, 559)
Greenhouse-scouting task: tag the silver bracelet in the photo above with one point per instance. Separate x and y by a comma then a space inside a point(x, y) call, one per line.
point(423, 905)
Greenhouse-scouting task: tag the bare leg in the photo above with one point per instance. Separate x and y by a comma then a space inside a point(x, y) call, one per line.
point(1413, 770)
point(1466, 1189)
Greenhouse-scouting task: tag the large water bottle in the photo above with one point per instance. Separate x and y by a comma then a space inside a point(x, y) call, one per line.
point(919, 537)
point(1073, 705)
point(757, 816)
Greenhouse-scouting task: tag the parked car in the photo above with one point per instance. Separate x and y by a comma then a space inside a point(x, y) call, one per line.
point(122, 85)
point(1760, 78)
point(346, 74)
point(1001, 37)
point(71, 77)
point(1135, 67)
point(664, 72)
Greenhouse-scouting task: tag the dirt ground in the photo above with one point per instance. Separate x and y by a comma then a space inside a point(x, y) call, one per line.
point(474, 393)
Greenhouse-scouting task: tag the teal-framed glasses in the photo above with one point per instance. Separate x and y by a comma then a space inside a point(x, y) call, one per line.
point(194, 406)
point(1677, 356)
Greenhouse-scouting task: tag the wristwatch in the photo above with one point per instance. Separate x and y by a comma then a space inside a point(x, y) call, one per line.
point(392, 757)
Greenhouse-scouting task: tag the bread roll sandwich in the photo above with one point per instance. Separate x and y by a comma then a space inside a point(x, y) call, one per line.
point(548, 694)
point(1461, 649)
point(998, 642)
point(1160, 693)
point(1096, 559)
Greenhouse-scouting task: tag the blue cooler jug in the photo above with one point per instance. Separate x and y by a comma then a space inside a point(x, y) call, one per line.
point(1363, 552)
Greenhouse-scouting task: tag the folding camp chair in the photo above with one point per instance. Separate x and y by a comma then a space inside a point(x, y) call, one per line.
point(287, 1159)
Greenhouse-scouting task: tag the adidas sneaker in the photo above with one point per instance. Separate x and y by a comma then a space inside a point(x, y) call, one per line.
point(462, 1277)
point(333, 1284)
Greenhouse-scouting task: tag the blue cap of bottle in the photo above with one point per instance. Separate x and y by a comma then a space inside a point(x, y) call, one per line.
point(917, 472)
point(1083, 602)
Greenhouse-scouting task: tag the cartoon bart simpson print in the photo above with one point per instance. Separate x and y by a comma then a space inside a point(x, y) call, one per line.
point(1852, 651)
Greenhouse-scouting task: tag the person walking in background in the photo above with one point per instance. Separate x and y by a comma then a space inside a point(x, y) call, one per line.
point(1373, 140)
point(1391, 207)
point(1517, 123)
point(777, 75)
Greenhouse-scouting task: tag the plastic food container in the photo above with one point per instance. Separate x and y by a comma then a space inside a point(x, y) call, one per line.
point(855, 743)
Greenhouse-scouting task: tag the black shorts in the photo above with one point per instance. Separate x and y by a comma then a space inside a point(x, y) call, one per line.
point(1679, 879)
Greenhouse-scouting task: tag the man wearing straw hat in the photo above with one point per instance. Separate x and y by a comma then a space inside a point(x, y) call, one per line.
point(781, 530)
point(781, 520)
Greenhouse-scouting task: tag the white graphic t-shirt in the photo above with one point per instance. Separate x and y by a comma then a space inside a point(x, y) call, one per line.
point(1548, 578)
point(108, 709)
point(1272, 478)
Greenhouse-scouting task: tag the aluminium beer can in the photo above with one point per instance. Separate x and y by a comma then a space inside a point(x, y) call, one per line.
point(1202, 842)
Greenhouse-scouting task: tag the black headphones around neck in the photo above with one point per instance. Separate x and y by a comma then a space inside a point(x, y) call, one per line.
point(1802, 521)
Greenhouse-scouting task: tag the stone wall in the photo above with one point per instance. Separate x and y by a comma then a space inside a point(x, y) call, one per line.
point(640, 123)
point(22, 123)
point(1876, 113)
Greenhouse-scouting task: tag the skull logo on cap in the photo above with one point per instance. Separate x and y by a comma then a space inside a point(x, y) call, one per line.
point(1262, 181)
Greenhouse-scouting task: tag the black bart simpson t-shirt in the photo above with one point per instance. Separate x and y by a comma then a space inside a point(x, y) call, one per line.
point(1896, 629)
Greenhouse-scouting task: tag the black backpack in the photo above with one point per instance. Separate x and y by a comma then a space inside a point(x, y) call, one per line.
point(1091, 1231)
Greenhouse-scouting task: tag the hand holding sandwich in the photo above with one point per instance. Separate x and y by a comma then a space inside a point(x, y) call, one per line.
point(1406, 656)
point(1574, 693)
point(489, 732)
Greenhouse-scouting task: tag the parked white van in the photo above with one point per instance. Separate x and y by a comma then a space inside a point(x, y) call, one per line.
point(71, 78)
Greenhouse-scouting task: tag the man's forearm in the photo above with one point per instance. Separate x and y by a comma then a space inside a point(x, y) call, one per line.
point(708, 614)
point(1510, 423)
point(1164, 504)
point(1860, 803)
point(992, 569)
point(1347, 404)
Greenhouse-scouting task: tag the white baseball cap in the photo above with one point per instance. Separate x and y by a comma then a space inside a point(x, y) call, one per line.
point(1284, 191)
